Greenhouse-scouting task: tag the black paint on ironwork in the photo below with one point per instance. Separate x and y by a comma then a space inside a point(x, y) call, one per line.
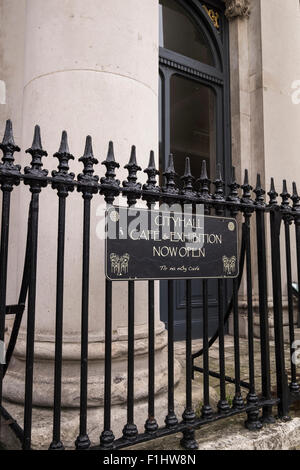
point(64, 182)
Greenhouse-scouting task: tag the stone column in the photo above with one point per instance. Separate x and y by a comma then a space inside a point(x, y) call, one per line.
point(90, 68)
point(237, 13)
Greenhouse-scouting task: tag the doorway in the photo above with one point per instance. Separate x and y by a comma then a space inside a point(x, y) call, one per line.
point(194, 117)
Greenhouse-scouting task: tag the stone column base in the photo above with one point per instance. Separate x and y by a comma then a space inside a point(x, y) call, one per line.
point(243, 322)
point(43, 382)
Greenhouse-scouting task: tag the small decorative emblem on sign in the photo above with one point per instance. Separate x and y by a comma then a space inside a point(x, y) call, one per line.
point(231, 226)
point(119, 264)
point(114, 216)
point(229, 265)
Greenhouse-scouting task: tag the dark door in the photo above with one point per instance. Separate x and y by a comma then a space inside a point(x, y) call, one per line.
point(194, 118)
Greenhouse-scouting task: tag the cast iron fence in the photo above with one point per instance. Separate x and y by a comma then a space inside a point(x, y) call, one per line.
point(218, 203)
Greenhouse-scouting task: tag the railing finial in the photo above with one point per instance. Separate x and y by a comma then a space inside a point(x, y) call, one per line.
point(88, 158)
point(170, 174)
point(285, 196)
point(259, 192)
point(247, 188)
point(37, 152)
point(110, 185)
point(272, 194)
point(63, 179)
point(9, 147)
point(187, 179)
point(89, 181)
point(131, 184)
point(152, 172)
point(204, 181)
point(295, 198)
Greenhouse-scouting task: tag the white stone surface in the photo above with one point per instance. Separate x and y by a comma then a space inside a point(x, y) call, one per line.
point(90, 68)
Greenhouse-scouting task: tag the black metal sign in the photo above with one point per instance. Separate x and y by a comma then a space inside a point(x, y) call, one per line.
point(142, 244)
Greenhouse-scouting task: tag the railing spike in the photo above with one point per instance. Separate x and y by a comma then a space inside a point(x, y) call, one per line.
point(170, 174)
point(204, 182)
point(272, 194)
point(88, 150)
point(37, 152)
point(295, 198)
point(8, 148)
point(64, 146)
point(151, 164)
point(187, 179)
point(150, 184)
point(247, 188)
point(233, 178)
point(110, 185)
point(219, 189)
point(187, 170)
point(8, 137)
point(219, 173)
point(295, 192)
point(285, 196)
point(233, 196)
point(132, 165)
point(170, 167)
point(258, 182)
point(259, 191)
point(89, 181)
point(63, 155)
point(132, 160)
point(131, 184)
point(233, 186)
point(203, 170)
point(110, 153)
point(88, 158)
point(284, 187)
point(37, 141)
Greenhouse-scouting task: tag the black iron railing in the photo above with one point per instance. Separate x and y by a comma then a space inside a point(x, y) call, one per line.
point(216, 202)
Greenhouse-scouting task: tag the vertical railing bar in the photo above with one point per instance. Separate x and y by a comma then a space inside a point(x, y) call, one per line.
point(130, 430)
point(263, 301)
point(9, 176)
point(63, 182)
point(36, 183)
point(22, 295)
point(88, 185)
point(206, 409)
point(83, 441)
point(188, 441)
point(253, 422)
point(130, 388)
point(282, 383)
point(3, 271)
point(151, 424)
point(234, 202)
point(107, 437)
point(238, 402)
point(31, 323)
point(297, 232)
point(56, 442)
point(223, 405)
point(294, 387)
point(171, 419)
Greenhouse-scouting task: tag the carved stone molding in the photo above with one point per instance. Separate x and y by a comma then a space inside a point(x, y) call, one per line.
point(236, 8)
